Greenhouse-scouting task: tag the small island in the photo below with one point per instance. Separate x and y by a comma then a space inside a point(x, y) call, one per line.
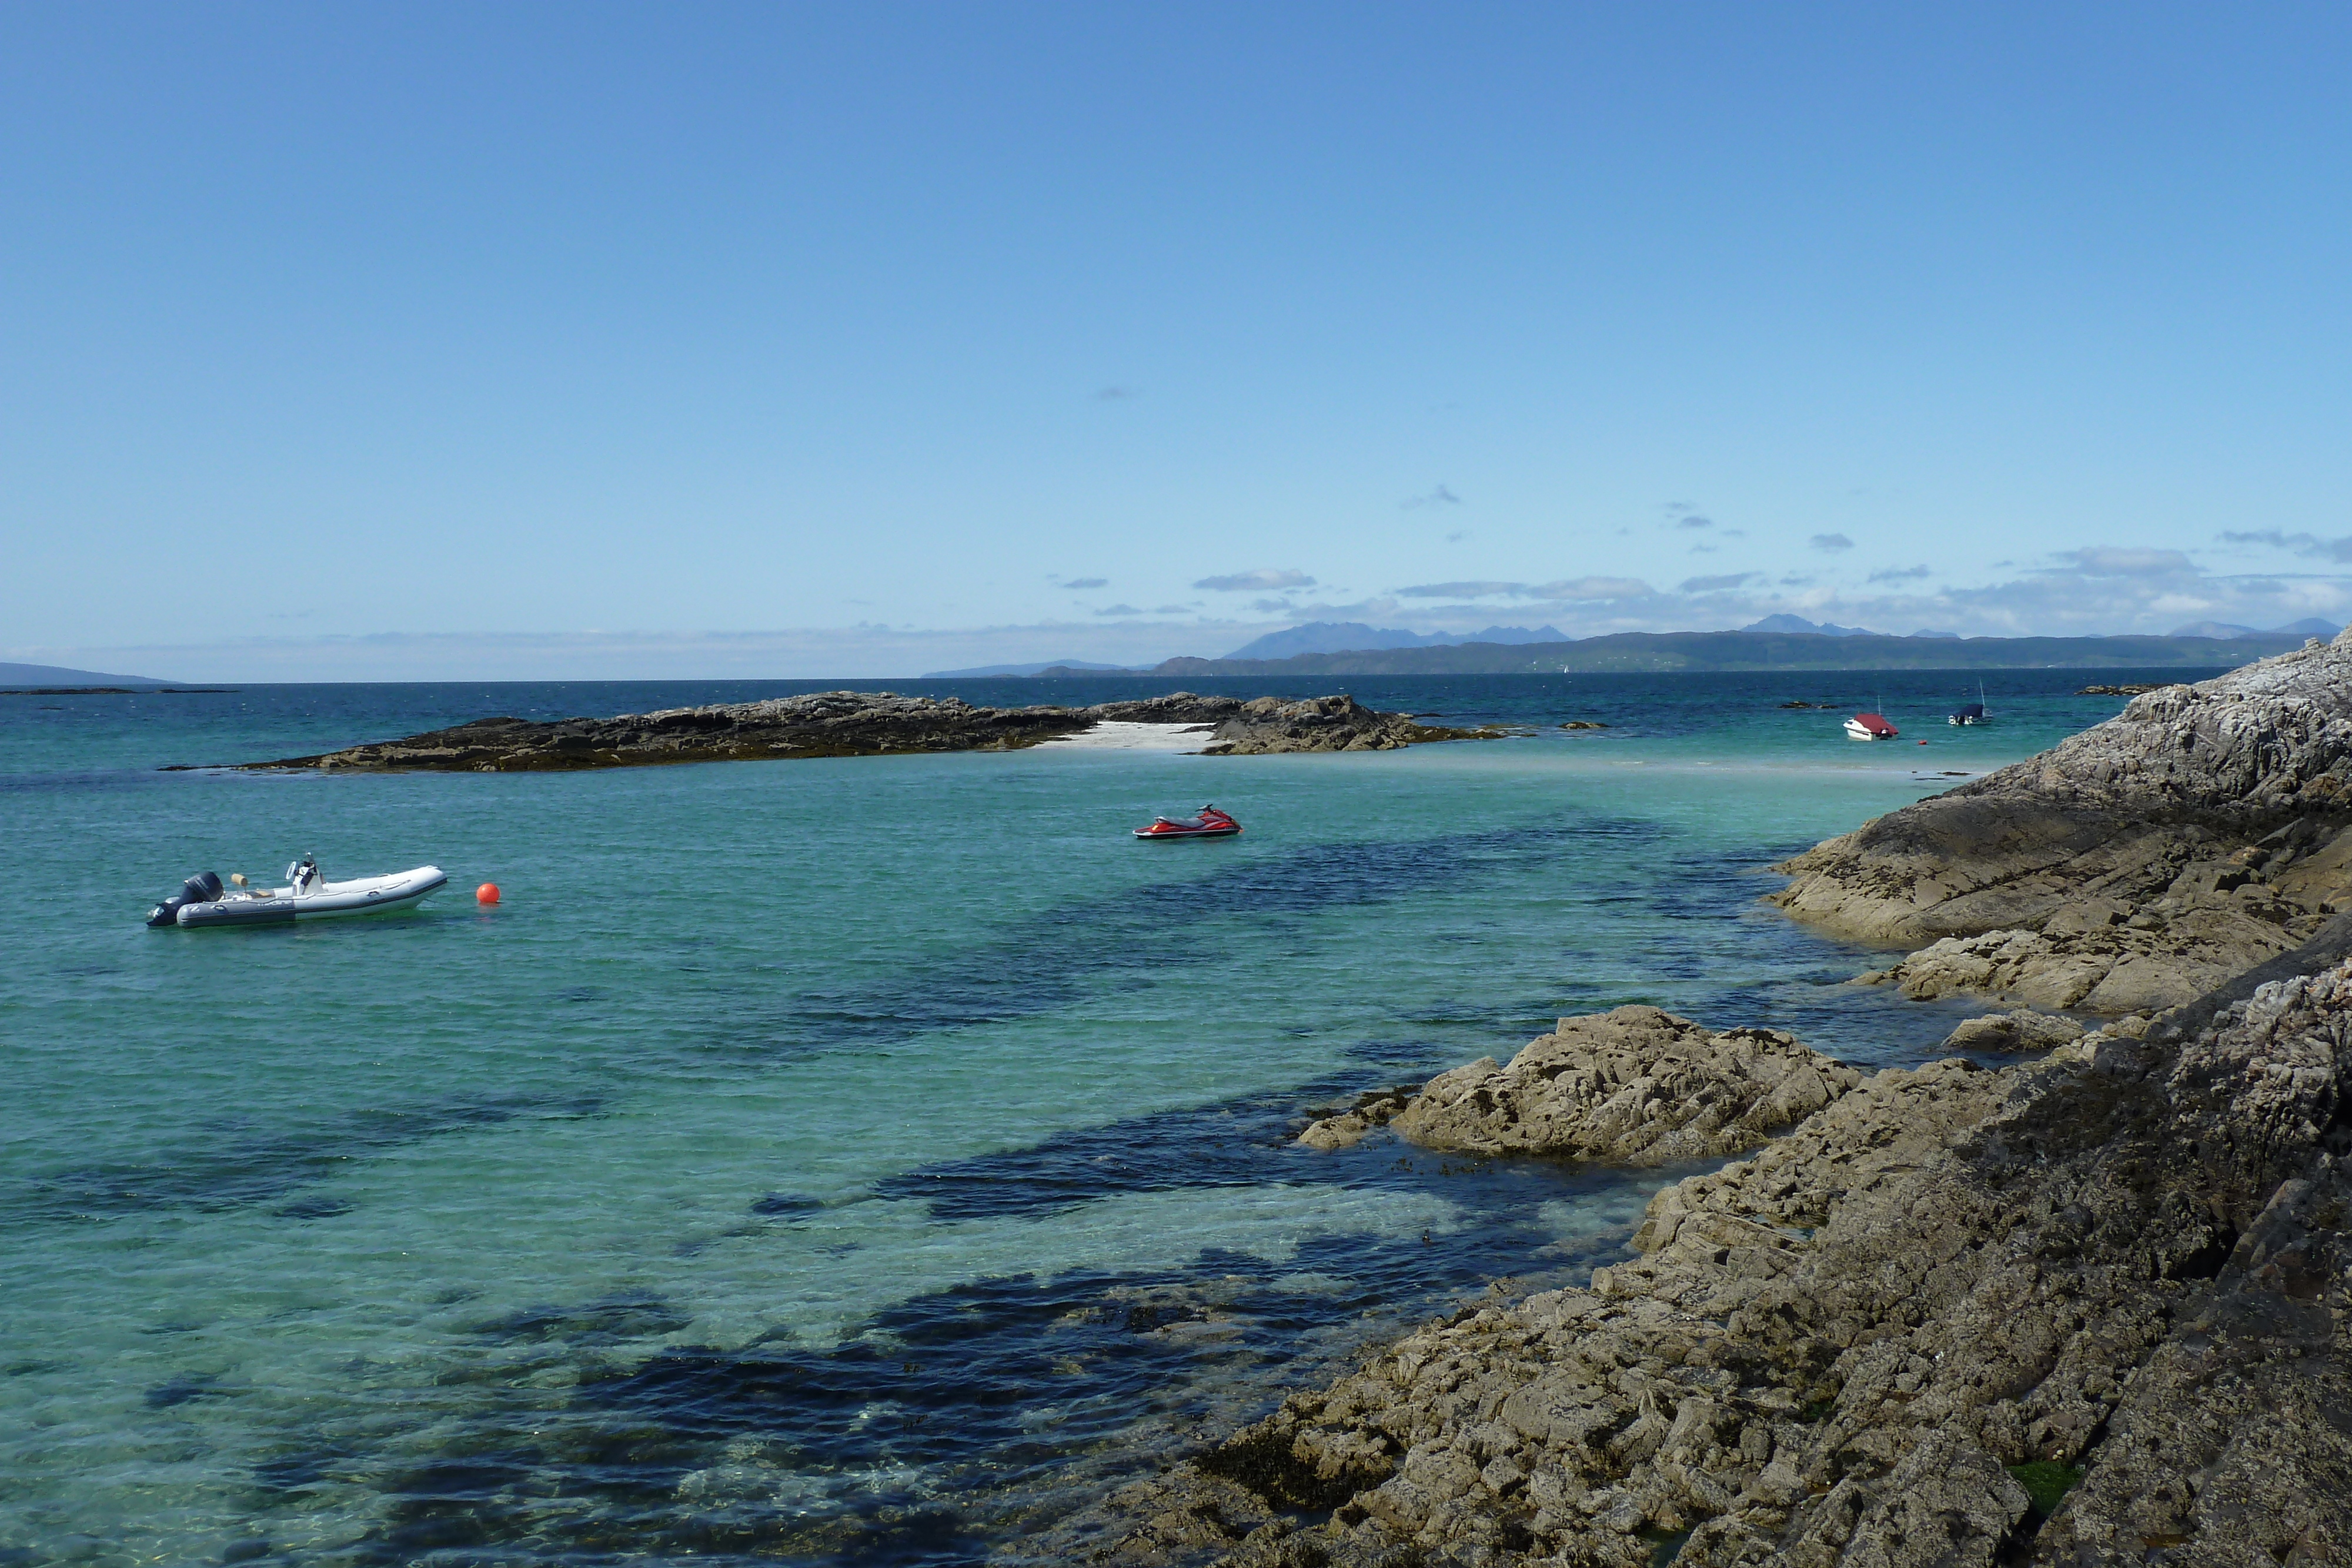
point(871, 724)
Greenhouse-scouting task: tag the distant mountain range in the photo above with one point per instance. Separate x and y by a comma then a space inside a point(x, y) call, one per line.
point(1349, 636)
point(1752, 650)
point(1314, 637)
point(59, 675)
point(1823, 628)
point(1775, 643)
point(2222, 630)
point(1076, 666)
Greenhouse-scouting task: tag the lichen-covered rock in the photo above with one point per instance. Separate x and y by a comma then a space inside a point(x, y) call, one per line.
point(2020, 1030)
point(2117, 969)
point(2201, 832)
point(2120, 1272)
point(1637, 1086)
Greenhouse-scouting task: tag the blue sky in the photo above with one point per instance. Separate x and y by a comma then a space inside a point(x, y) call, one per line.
point(860, 339)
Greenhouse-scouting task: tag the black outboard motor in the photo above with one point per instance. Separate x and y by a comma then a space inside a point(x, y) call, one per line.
point(202, 888)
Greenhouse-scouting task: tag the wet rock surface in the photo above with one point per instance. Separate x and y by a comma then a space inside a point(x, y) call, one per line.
point(2202, 831)
point(1635, 1086)
point(2096, 1308)
point(867, 724)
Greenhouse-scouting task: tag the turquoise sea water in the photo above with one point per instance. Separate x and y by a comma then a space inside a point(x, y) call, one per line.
point(850, 1160)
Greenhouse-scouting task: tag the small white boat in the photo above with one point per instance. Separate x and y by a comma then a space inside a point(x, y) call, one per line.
point(1870, 727)
point(202, 900)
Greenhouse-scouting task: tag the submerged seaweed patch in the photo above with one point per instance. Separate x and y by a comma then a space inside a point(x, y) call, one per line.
point(1236, 1143)
point(1051, 959)
point(984, 1393)
point(237, 1168)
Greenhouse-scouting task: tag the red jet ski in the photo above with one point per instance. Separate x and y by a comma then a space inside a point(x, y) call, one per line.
point(1211, 823)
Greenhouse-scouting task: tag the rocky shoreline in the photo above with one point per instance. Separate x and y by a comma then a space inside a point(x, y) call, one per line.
point(2204, 829)
point(2091, 1307)
point(872, 724)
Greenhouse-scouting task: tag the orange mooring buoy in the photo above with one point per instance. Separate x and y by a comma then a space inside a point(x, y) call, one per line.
point(486, 893)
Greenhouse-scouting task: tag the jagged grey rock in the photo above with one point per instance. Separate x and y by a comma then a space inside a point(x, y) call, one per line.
point(1637, 1086)
point(2020, 1030)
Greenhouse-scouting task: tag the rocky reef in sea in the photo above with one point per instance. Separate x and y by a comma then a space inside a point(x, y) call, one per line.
point(871, 724)
point(1637, 1086)
point(2092, 1307)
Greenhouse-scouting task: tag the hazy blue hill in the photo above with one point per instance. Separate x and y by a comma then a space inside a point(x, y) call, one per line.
point(59, 675)
point(1658, 650)
point(2310, 626)
point(1785, 622)
point(1328, 637)
point(1347, 636)
point(1084, 665)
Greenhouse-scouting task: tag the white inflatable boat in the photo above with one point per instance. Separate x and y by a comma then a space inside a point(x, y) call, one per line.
point(202, 900)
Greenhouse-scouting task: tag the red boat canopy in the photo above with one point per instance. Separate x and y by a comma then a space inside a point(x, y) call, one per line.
point(1874, 722)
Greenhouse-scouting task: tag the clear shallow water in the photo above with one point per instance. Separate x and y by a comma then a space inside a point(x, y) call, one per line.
point(826, 1161)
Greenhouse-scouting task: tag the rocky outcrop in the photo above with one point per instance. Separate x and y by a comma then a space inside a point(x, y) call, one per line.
point(866, 723)
point(2021, 1030)
point(2092, 1309)
point(1637, 1086)
point(1266, 725)
point(2203, 831)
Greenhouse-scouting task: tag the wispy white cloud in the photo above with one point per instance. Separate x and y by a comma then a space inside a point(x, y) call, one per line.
point(2302, 544)
point(2126, 561)
point(2089, 591)
point(1901, 573)
point(1568, 589)
point(1465, 590)
point(1831, 542)
point(861, 652)
point(1260, 580)
point(1441, 496)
